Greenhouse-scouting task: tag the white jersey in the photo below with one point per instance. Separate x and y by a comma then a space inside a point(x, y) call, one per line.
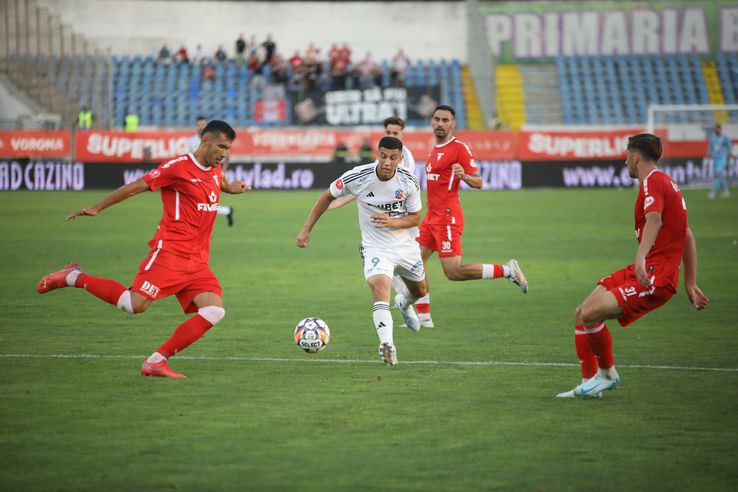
point(397, 197)
point(408, 161)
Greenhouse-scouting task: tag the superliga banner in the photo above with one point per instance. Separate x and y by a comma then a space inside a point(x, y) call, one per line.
point(530, 31)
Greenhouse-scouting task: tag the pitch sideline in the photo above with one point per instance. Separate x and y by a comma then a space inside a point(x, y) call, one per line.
point(366, 361)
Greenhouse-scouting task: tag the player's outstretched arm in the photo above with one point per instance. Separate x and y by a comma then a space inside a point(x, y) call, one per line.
point(698, 300)
point(321, 205)
point(340, 202)
point(124, 192)
point(233, 188)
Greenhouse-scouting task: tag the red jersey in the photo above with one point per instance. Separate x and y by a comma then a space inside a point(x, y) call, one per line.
point(444, 206)
point(658, 193)
point(189, 195)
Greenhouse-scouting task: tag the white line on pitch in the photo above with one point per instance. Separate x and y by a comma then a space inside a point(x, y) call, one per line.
point(365, 361)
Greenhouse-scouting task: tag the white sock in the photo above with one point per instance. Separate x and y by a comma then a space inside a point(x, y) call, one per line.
point(155, 358)
point(224, 210)
point(610, 373)
point(72, 277)
point(383, 322)
point(124, 302)
point(505, 271)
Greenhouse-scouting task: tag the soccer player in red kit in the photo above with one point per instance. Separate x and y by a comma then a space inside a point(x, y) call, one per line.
point(450, 162)
point(664, 241)
point(180, 250)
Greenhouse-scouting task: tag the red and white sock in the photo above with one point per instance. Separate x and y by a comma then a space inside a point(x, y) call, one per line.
point(106, 289)
point(423, 306)
point(189, 332)
point(493, 270)
point(600, 340)
point(587, 359)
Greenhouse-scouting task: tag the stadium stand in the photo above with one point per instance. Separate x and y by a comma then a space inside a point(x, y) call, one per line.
point(599, 90)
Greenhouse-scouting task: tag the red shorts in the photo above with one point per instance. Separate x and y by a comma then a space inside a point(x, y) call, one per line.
point(635, 299)
point(442, 238)
point(162, 274)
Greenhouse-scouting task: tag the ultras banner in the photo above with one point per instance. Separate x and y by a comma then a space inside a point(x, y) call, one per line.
point(364, 107)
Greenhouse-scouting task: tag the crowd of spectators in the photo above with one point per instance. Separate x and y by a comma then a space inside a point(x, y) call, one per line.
point(305, 71)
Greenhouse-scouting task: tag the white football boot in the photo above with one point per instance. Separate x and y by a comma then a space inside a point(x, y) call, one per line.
point(597, 384)
point(388, 353)
point(408, 313)
point(425, 320)
point(573, 394)
point(516, 276)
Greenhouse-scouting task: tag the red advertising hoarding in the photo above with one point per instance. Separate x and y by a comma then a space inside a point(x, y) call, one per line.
point(38, 144)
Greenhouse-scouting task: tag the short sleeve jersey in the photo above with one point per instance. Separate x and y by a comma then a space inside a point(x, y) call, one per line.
point(658, 193)
point(397, 197)
point(408, 161)
point(444, 206)
point(189, 195)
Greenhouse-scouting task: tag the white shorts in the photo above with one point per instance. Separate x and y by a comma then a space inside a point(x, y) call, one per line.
point(406, 262)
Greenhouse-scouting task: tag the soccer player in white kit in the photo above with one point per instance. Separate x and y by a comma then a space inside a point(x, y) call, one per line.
point(389, 209)
point(394, 126)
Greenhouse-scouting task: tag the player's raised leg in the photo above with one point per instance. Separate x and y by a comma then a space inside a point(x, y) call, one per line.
point(412, 291)
point(209, 312)
point(455, 270)
point(106, 289)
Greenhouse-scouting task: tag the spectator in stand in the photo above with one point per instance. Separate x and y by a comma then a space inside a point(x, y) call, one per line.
point(296, 62)
point(399, 68)
point(310, 51)
point(334, 54)
point(208, 71)
point(240, 49)
point(366, 152)
point(220, 53)
point(338, 74)
point(269, 48)
point(252, 48)
point(181, 55)
point(130, 122)
point(345, 53)
point(367, 68)
point(84, 119)
point(341, 154)
point(199, 57)
point(165, 56)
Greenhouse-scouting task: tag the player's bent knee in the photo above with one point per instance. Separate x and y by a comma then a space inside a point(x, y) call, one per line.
point(212, 314)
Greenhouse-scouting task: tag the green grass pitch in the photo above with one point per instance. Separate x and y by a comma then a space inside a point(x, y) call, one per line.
point(470, 407)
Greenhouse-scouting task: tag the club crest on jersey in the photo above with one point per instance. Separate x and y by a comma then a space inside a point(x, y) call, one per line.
point(399, 194)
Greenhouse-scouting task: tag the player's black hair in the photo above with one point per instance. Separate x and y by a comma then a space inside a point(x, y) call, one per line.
point(390, 143)
point(216, 127)
point(394, 120)
point(646, 144)
point(445, 107)
point(201, 117)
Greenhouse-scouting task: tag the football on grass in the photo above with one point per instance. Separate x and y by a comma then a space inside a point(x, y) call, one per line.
point(312, 335)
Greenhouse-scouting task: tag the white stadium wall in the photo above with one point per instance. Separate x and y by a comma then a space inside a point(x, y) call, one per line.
point(424, 30)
